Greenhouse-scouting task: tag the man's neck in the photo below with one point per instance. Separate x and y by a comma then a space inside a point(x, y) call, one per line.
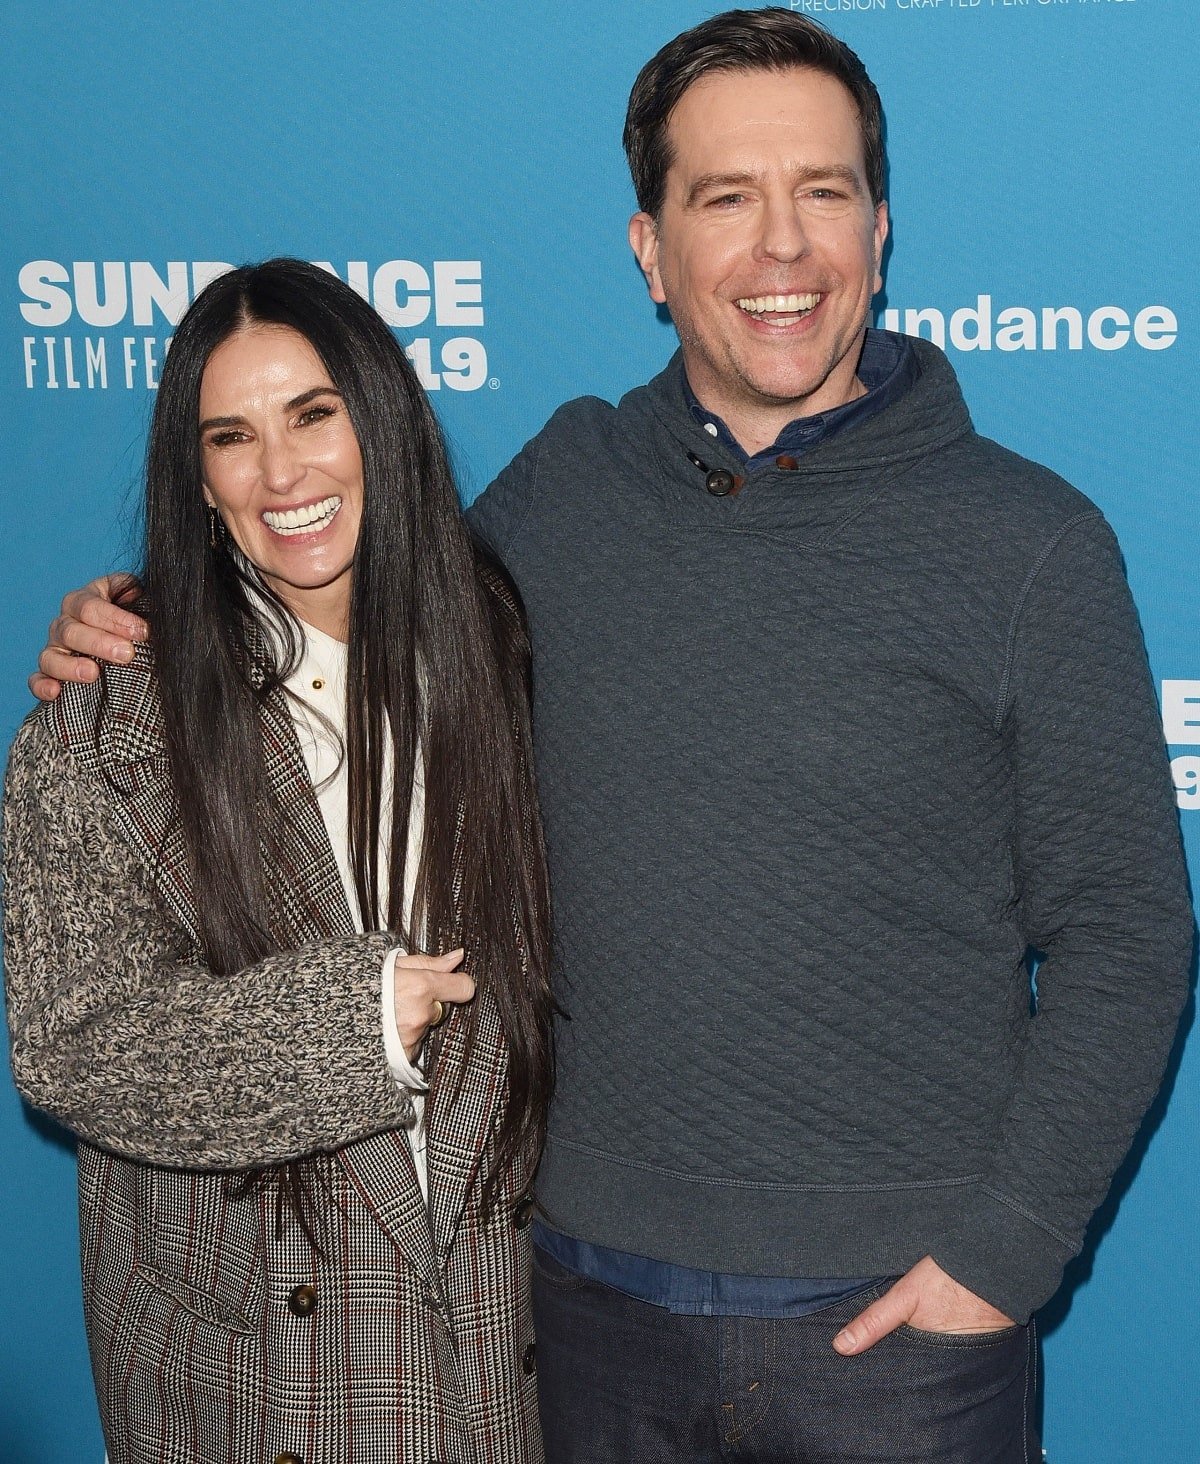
point(886, 368)
point(755, 431)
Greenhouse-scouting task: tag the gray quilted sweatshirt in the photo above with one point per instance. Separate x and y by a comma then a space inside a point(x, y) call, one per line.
point(821, 762)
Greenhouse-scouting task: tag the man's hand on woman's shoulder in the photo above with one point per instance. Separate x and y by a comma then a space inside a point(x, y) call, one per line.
point(91, 626)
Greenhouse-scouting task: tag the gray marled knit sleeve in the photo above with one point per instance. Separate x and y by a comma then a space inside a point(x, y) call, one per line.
point(1102, 894)
point(121, 1035)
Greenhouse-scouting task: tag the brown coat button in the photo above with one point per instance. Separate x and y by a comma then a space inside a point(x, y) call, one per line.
point(302, 1301)
point(523, 1212)
point(529, 1361)
point(288, 1459)
point(787, 461)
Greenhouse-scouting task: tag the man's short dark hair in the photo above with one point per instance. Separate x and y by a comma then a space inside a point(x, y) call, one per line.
point(772, 39)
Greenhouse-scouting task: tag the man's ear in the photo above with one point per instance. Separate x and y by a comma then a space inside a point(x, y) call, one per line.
point(881, 233)
point(643, 240)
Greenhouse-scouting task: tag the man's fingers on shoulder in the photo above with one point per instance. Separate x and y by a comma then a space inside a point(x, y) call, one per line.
point(122, 587)
point(102, 614)
point(45, 688)
point(98, 604)
point(59, 665)
point(68, 635)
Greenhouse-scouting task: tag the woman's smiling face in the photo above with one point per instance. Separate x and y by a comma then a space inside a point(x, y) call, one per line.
point(282, 467)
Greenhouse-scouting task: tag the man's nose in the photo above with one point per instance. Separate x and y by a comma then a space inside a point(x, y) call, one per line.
point(783, 235)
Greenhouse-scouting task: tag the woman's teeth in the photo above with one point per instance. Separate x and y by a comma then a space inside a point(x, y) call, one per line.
point(313, 516)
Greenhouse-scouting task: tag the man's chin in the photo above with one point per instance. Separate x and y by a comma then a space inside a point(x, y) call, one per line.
point(804, 390)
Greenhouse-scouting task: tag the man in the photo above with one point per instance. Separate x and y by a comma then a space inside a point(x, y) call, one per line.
point(843, 712)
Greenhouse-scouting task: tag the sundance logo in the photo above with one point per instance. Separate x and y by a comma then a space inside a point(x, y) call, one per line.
point(119, 295)
point(981, 327)
point(1181, 728)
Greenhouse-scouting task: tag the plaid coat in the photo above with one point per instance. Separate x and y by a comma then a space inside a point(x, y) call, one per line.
point(219, 1335)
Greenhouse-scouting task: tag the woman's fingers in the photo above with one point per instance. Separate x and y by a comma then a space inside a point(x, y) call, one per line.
point(425, 987)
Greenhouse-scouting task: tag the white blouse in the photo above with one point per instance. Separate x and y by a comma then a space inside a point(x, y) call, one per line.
point(318, 706)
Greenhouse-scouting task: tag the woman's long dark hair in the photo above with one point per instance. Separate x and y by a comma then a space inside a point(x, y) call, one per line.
point(437, 658)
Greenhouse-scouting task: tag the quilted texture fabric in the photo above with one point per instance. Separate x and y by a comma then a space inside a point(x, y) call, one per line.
point(820, 761)
point(415, 1341)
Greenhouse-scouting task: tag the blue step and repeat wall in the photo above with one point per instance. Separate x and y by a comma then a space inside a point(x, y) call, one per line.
point(460, 165)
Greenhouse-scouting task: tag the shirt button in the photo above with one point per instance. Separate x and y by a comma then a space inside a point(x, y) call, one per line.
point(529, 1361)
point(318, 683)
point(302, 1301)
point(719, 483)
point(787, 462)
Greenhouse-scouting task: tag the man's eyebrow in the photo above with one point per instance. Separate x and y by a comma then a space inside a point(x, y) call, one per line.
point(808, 173)
point(298, 401)
point(716, 182)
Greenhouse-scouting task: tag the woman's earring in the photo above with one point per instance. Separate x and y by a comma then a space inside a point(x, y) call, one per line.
point(213, 517)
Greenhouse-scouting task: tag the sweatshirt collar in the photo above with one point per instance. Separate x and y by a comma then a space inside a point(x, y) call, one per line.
point(887, 368)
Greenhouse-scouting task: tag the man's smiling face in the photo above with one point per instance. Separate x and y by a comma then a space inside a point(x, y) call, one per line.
point(767, 247)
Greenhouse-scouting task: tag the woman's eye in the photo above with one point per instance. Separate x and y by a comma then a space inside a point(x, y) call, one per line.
point(316, 413)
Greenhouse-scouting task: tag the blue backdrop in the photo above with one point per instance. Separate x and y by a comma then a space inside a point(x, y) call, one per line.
point(461, 164)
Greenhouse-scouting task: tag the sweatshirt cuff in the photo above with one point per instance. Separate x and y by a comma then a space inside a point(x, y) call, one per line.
point(1004, 1255)
point(404, 1072)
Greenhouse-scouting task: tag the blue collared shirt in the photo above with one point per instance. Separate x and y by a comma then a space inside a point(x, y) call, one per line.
point(887, 368)
point(683, 1290)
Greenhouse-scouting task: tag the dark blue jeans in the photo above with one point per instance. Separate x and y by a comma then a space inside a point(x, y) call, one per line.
point(624, 1382)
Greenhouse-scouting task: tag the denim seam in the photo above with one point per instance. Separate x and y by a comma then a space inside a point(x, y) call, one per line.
point(959, 1341)
point(736, 1434)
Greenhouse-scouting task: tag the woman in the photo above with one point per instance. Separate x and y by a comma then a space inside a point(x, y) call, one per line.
point(224, 862)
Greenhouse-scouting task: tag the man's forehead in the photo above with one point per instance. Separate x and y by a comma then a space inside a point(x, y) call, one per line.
point(760, 112)
point(761, 89)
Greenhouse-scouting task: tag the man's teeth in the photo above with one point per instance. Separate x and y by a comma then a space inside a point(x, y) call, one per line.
point(778, 304)
point(303, 520)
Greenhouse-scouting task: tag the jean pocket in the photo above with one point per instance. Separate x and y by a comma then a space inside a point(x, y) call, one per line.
point(991, 1338)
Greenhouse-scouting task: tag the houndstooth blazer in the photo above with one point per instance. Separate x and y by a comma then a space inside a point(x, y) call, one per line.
point(219, 1336)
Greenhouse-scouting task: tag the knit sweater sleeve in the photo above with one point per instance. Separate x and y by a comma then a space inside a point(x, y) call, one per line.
point(119, 1031)
point(1101, 896)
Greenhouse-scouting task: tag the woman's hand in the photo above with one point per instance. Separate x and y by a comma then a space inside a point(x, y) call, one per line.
point(90, 627)
point(424, 987)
